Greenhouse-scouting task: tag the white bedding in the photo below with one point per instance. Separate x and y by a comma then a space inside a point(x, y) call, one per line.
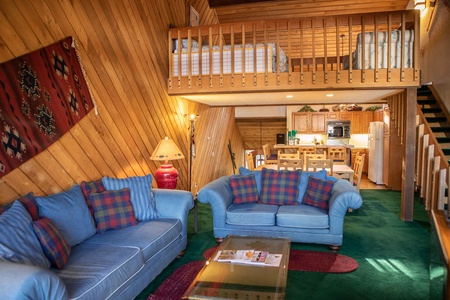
point(260, 60)
point(382, 48)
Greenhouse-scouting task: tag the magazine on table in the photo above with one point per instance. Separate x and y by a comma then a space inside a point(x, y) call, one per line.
point(250, 257)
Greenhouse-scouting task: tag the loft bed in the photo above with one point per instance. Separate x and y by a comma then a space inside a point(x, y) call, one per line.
point(354, 51)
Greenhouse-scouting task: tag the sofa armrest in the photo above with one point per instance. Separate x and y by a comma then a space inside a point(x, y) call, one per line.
point(20, 281)
point(219, 195)
point(174, 204)
point(343, 197)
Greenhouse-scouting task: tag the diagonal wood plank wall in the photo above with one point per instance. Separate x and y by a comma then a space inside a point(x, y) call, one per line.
point(123, 47)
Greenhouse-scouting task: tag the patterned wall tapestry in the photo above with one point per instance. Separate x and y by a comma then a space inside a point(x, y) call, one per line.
point(42, 95)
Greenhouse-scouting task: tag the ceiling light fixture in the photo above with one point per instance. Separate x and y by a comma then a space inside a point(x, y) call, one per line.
point(289, 96)
point(329, 95)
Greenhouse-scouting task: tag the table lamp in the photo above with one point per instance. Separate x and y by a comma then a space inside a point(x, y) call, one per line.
point(166, 175)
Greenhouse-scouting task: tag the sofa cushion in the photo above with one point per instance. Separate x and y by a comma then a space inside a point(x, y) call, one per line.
point(141, 197)
point(279, 187)
point(302, 216)
point(251, 214)
point(91, 187)
point(258, 174)
point(322, 174)
point(318, 192)
point(53, 243)
point(244, 189)
point(22, 246)
point(149, 236)
point(94, 271)
point(58, 207)
point(112, 210)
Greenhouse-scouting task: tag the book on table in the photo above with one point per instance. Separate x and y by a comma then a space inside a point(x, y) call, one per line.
point(250, 257)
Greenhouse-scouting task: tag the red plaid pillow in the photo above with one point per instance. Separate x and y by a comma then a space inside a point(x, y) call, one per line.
point(244, 189)
point(91, 187)
point(30, 205)
point(279, 187)
point(112, 209)
point(318, 192)
point(54, 245)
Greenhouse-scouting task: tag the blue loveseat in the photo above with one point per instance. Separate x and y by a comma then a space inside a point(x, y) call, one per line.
point(103, 263)
point(299, 222)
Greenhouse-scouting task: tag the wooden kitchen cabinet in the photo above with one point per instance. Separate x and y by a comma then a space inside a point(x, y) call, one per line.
point(318, 122)
point(300, 122)
point(360, 121)
point(333, 116)
point(306, 122)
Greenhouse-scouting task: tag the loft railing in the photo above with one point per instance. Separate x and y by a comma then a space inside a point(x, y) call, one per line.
point(363, 51)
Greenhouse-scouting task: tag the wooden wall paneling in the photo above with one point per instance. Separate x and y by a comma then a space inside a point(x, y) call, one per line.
point(39, 175)
point(17, 180)
point(8, 194)
point(122, 103)
point(90, 150)
point(61, 179)
point(123, 49)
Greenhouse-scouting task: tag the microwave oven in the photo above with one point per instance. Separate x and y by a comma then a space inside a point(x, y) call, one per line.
point(338, 129)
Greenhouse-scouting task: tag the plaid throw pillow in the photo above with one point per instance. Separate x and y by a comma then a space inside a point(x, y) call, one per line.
point(112, 209)
point(318, 192)
point(279, 187)
point(54, 245)
point(244, 189)
point(30, 205)
point(91, 187)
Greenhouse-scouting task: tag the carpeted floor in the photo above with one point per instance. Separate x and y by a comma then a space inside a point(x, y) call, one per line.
point(394, 256)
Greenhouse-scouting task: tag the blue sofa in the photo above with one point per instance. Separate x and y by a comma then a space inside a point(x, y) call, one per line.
point(114, 264)
point(301, 223)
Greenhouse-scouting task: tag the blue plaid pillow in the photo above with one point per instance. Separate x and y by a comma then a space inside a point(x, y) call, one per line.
point(112, 209)
point(53, 243)
point(244, 189)
point(318, 192)
point(279, 187)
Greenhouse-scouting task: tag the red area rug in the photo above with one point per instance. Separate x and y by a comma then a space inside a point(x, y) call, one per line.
point(299, 260)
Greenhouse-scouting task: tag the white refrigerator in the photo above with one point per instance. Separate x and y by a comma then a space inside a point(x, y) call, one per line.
point(376, 140)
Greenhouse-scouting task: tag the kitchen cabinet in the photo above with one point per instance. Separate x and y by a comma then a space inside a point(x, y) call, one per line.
point(309, 122)
point(360, 121)
point(318, 122)
point(333, 116)
point(378, 116)
point(300, 122)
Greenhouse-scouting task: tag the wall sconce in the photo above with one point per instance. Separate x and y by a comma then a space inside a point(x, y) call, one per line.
point(419, 4)
point(166, 175)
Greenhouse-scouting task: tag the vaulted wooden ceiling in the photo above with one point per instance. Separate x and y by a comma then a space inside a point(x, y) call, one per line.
point(229, 11)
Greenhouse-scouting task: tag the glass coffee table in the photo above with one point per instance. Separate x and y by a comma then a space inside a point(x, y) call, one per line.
point(230, 280)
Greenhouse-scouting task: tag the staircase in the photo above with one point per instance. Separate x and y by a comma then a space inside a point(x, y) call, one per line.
point(436, 115)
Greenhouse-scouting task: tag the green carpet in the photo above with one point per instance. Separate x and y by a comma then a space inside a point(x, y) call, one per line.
point(393, 256)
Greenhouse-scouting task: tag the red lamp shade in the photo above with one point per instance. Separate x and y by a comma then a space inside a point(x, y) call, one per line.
point(166, 175)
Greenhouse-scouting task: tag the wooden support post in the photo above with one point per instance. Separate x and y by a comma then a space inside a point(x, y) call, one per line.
point(407, 203)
